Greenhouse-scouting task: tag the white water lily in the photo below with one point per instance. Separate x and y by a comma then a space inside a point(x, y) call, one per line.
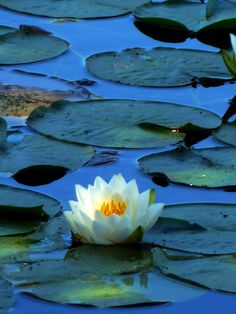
point(114, 212)
point(230, 60)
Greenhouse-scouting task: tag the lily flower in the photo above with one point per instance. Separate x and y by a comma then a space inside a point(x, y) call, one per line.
point(230, 60)
point(111, 213)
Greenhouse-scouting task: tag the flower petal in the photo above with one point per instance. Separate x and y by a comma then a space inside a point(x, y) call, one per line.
point(83, 195)
point(233, 42)
point(152, 215)
point(78, 207)
point(122, 230)
point(100, 225)
point(117, 183)
point(99, 184)
point(71, 220)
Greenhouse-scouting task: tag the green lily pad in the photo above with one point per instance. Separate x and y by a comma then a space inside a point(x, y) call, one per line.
point(36, 150)
point(216, 14)
point(6, 30)
point(181, 235)
point(209, 167)
point(14, 197)
point(214, 272)
point(35, 246)
point(15, 248)
point(227, 133)
point(25, 46)
point(7, 297)
point(96, 260)
point(212, 216)
point(22, 211)
point(73, 8)
point(155, 67)
point(115, 290)
point(20, 220)
point(120, 123)
point(100, 276)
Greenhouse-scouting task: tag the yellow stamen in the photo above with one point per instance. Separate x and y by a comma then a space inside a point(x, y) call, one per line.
point(113, 207)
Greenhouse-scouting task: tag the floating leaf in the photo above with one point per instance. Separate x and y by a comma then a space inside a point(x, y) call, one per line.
point(227, 133)
point(120, 123)
point(208, 215)
point(155, 67)
point(172, 14)
point(36, 150)
point(20, 220)
point(15, 248)
point(7, 298)
point(6, 30)
point(209, 167)
point(14, 197)
point(20, 101)
point(96, 260)
point(74, 9)
point(28, 46)
point(180, 235)
point(100, 276)
point(214, 272)
point(116, 290)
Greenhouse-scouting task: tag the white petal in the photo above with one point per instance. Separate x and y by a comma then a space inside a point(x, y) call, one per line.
point(140, 209)
point(233, 42)
point(99, 184)
point(101, 225)
point(152, 215)
point(85, 232)
point(83, 195)
point(117, 183)
point(122, 230)
point(78, 207)
point(71, 220)
point(131, 194)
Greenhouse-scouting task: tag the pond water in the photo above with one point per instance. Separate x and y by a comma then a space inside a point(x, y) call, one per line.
point(86, 38)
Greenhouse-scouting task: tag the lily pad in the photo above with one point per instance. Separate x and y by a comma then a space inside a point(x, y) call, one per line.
point(181, 235)
point(36, 150)
point(25, 46)
point(95, 260)
point(19, 101)
point(15, 248)
point(212, 216)
point(100, 276)
point(115, 290)
point(20, 220)
point(14, 197)
point(120, 123)
point(155, 67)
point(216, 14)
point(6, 30)
point(227, 133)
point(7, 297)
point(209, 167)
point(73, 8)
point(214, 272)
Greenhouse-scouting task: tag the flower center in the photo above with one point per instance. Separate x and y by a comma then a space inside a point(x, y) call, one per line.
point(113, 207)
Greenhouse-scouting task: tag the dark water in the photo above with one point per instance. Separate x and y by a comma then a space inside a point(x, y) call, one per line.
point(88, 37)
